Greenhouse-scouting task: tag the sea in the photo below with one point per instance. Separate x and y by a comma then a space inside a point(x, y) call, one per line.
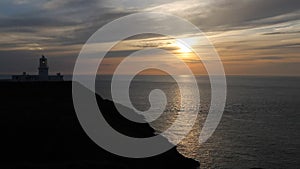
point(259, 127)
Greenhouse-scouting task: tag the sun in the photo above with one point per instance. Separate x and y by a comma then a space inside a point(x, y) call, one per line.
point(183, 48)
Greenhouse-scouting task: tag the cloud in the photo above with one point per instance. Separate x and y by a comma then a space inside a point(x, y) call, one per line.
point(54, 22)
point(233, 14)
point(32, 22)
point(282, 33)
point(58, 28)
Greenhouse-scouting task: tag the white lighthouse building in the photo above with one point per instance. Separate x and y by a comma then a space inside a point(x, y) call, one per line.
point(43, 69)
point(42, 76)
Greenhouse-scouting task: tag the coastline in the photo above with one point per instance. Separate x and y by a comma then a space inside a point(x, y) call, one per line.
point(41, 130)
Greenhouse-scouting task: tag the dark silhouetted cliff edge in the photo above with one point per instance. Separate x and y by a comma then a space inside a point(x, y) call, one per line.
point(39, 129)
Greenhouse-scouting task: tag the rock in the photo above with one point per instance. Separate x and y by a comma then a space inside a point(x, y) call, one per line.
point(40, 129)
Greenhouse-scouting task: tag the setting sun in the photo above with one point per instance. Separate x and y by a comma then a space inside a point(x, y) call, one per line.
point(182, 47)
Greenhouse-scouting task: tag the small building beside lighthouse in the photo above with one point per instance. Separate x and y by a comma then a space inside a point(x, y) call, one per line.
point(43, 73)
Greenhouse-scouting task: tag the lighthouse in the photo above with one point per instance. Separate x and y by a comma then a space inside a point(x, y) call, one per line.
point(42, 76)
point(43, 69)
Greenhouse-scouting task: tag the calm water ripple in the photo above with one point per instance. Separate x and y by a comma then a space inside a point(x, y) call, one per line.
point(259, 128)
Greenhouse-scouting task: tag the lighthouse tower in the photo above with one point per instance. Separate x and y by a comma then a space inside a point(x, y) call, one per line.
point(43, 69)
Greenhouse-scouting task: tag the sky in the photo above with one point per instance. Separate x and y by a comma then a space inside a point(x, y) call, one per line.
point(252, 37)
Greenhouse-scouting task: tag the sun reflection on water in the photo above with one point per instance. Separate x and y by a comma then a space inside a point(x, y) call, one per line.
point(190, 145)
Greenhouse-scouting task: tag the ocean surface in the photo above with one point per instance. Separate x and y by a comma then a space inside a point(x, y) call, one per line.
point(259, 127)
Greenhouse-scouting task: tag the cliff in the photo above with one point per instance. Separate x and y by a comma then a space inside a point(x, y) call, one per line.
point(39, 129)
